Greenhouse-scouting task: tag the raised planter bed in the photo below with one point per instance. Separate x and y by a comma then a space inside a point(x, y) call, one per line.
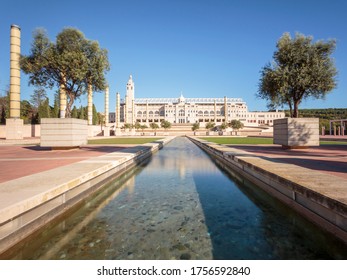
point(296, 133)
point(63, 133)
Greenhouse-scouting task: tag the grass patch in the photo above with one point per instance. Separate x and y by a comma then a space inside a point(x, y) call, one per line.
point(238, 140)
point(333, 143)
point(122, 141)
point(256, 141)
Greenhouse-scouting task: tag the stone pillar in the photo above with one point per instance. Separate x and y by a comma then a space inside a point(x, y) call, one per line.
point(342, 128)
point(90, 104)
point(62, 98)
point(117, 109)
point(14, 125)
point(106, 128)
point(106, 106)
point(15, 72)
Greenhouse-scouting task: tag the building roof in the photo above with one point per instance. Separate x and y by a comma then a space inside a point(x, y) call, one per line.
point(186, 100)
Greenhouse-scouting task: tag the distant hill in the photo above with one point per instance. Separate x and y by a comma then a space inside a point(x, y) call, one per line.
point(325, 114)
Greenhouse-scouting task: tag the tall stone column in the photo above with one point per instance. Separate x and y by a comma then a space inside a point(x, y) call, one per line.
point(90, 104)
point(14, 125)
point(15, 72)
point(117, 109)
point(106, 106)
point(62, 98)
point(106, 128)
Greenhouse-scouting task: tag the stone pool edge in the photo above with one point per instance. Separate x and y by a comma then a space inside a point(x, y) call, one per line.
point(30, 202)
point(321, 198)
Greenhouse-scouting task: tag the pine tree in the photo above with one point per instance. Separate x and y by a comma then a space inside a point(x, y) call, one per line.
point(55, 110)
point(44, 110)
point(95, 116)
point(74, 112)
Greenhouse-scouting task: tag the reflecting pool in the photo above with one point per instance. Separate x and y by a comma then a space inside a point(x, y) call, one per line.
point(181, 205)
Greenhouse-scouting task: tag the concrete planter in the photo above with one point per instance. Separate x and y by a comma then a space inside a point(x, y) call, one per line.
point(63, 133)
point(294, 133)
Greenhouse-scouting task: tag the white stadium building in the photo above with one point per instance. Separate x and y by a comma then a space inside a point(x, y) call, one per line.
point(183, 110)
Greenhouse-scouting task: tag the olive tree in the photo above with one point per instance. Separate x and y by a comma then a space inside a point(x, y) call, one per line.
point(301, 69)
point(72, 62)
point(236, 124)
point(196, 126)
point(210, 125)
point(165, 124)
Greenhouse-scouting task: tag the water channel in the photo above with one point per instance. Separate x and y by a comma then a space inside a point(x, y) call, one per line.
point(181, 205)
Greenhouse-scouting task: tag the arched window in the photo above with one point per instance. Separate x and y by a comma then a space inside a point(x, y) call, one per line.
point(156, 113)
point(200, 113)
point(139, 114)
point(206, 113)
point(181, 113)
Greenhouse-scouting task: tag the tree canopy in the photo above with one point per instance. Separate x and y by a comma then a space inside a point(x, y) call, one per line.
point(196, 126)
point(210, 125)
point(72, 62)
point(165, 124)
point(236, 124)
point(301, 69)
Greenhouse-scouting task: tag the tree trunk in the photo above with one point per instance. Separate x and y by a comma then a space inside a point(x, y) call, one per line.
point(290, 108)
point(70, 100)
point(296, 109)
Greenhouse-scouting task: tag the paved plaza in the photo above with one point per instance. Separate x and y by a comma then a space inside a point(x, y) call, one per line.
point(22, 160)
point(17, 161)
point(331, 159)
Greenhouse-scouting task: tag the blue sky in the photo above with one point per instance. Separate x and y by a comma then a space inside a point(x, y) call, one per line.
point(206, 48)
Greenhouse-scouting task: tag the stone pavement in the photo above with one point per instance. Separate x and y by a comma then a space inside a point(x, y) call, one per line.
point(330, 159)
point(22, 160)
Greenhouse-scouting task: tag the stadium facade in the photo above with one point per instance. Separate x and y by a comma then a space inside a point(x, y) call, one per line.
point(183, 110)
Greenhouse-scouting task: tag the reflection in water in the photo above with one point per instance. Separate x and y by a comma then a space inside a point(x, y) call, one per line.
point(181, 205)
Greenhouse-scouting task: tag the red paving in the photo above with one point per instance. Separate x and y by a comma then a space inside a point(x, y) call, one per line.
point(19, 161)
point(331, 159)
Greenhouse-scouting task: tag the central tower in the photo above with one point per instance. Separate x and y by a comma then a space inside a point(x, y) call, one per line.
point(129, 102)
